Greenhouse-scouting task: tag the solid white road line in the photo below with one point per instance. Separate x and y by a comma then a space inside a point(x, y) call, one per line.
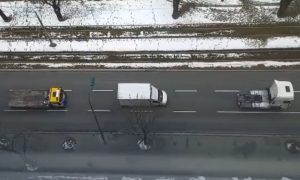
point(258, 112)
point(99, 110)
point(102, 90)
point(15, 110)
point(57, 110)
point(227, 91)
point(68, 90)
point(186, 91)
point(296, 91)
point(184, 111)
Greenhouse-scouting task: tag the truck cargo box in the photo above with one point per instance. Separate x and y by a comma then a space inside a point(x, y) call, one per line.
point(134, 94)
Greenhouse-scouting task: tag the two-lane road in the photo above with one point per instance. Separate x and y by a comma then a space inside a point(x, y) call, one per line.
point(202, 101)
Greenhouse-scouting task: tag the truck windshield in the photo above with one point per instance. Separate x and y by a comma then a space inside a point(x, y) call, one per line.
point(160, 96)
point(61, 96)
point(273, 91)
point(154, 94)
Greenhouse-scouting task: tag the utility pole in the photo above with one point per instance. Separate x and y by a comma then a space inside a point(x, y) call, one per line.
point(52, 44)
point(93, 112)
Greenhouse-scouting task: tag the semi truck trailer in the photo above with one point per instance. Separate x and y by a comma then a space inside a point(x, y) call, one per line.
point(140, 94)
point(55, 97)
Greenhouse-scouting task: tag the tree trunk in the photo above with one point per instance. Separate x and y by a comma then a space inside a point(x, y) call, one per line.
point(4, 17)
point(175, 14)
point(57, 12)
point(284, 4)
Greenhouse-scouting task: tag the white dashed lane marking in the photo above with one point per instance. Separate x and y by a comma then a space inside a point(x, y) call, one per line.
point(227, 91)
point(14, 110)
point(102, 90)
point(99, 110)
point(186, 91)
point(179, 111)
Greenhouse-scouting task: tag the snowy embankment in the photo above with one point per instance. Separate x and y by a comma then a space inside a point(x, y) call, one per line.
point(165, 65)
point(149, 44)
point(138, 13)
point(143, 13)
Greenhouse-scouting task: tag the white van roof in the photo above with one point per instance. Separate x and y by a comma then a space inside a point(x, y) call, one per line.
point(134, 90)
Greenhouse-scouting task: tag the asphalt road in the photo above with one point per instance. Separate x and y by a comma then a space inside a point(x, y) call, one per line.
point(200, 109)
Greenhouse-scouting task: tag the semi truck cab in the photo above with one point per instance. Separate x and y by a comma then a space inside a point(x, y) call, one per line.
point(281, 94)
point(278, 96)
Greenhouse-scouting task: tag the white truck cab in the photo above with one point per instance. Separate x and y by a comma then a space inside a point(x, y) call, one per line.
point(282, 94)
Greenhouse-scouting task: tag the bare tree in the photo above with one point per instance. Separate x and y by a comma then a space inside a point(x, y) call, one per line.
point(284, 4)
point(141, 122)
point(56, 7)
point(5, 17)
point(175, 14)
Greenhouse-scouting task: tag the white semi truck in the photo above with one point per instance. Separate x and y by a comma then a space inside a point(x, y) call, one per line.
point(140, 94)
point(278, 96)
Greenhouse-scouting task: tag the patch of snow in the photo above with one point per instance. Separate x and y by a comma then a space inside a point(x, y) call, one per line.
point(233, 64)
point(137, 13)
point(198, 178)
point(285, 178)
point(149, 44)
point(131, 178)
point(164, 178)
point(68, 177)
point(248, 178)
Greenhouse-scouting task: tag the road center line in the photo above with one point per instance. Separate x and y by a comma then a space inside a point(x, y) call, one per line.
point(99, 110)
point(57, 110)
point(178, 111)
point(257, 112)
point(15, 110)
point(186, 91)
point(227, 91)
point(102, 90)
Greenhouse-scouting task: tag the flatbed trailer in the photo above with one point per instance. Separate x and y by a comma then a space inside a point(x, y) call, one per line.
point(37, 99)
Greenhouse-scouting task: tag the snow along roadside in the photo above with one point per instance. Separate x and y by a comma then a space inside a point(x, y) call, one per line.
point(165, 65)
point(140, 13)
point(149, 44)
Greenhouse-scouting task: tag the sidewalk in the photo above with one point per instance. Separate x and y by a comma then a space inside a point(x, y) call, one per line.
point(229, 156)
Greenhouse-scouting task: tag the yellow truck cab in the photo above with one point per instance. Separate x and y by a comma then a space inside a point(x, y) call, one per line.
point(57, 97)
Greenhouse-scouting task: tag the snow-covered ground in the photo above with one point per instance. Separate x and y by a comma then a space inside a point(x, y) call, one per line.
point(190, 65)
point(154, 44)
point(142, 12)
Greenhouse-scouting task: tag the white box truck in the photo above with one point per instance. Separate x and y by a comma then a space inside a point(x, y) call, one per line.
point(140, 94)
